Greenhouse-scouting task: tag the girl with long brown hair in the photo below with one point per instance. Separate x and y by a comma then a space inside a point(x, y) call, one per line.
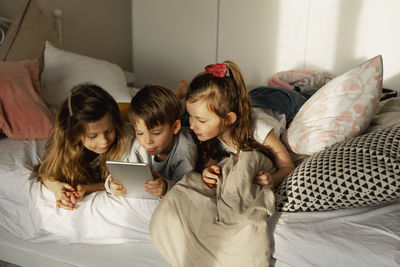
point(88, 131)
point(222, 119)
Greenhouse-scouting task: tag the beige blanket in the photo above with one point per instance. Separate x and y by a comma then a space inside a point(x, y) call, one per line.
point(227, 226)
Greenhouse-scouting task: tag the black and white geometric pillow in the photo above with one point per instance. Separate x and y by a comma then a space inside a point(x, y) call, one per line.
point(360, 171)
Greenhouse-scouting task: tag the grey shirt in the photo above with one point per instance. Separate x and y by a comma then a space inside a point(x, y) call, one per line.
point(181, 160)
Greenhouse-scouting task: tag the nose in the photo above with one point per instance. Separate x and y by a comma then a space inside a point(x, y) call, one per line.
point(192, 124)
point(148, 139)
point(104, 140)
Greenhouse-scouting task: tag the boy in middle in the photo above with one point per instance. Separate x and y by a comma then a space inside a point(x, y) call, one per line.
point(159, 140)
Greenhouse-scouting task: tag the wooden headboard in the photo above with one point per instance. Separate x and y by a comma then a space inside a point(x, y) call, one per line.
point(124, 109)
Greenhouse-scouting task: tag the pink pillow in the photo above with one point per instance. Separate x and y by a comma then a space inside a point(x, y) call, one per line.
point(23, 114)
point(341, 109)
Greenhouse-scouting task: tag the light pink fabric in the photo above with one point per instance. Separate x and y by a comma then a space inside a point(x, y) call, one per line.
point(339, 110)
point(285, 79)
point(23, 114)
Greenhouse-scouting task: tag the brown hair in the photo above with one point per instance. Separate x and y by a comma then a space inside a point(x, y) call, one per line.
point(223, 95)
point(64, 160)
point(155, 105)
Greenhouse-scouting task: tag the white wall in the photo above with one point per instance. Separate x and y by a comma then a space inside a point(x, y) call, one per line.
point(96, 28)
point(171, 39)
point(175, 39)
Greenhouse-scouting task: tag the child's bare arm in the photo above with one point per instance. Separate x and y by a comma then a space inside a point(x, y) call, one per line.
point(282, 160)
point(82, 189)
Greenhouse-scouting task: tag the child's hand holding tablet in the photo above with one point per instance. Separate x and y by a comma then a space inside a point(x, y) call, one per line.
point(128, 179)
point(157, 186)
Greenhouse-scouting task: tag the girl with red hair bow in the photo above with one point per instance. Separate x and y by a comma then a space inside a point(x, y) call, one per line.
point(224, 122)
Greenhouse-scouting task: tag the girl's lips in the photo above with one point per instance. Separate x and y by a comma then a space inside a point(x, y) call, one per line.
point(151, 149)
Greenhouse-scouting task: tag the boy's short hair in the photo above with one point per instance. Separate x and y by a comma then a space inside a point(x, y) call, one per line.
point(155, 105)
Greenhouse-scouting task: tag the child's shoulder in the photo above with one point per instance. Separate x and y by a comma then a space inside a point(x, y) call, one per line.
point(185, 135)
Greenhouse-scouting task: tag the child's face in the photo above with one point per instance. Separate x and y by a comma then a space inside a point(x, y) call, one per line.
point(205, 123)
point(158, 141)
point(99, 135)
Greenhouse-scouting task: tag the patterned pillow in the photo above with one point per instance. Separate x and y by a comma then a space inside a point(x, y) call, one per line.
point(340, 109)
point(359, 171)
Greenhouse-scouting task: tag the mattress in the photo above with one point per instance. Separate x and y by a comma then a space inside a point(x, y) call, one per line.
point(33, 233)
point(43, 254)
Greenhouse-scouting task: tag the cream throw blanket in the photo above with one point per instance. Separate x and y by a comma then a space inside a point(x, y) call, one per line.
point(197, 226)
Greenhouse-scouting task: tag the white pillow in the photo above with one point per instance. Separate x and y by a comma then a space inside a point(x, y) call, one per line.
point(63, 70)
point(340, 109)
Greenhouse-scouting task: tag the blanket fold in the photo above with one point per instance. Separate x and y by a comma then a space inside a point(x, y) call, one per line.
point(197, 226)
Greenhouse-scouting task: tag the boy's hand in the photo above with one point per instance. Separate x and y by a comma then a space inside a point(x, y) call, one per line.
point(117, 188)
point(156, 187)
point(264, 179)
point(211, 175)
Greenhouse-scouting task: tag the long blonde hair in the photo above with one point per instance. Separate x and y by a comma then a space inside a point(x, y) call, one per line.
point(64, 156)
point(223, 95)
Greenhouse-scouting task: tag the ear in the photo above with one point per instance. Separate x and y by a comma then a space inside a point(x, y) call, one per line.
point(231, 118)
point(176, 126)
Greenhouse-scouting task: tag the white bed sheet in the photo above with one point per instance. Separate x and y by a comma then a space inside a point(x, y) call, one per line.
point(28, 209)
point(358, 237)
point(33, 229)
point(50, 254)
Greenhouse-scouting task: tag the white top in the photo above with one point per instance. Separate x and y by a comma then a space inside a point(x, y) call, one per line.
point(263, 122)
point(266, 120)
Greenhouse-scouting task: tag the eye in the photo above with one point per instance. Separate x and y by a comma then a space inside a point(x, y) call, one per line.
point(139, 133)
point(92, 136)
point(202, 121)
point(156, 133)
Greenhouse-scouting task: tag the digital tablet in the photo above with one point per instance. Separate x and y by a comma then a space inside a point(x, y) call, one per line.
point(132, 176)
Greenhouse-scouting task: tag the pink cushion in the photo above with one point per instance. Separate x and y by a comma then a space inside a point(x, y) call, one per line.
point(340, 109)
point(23, 114)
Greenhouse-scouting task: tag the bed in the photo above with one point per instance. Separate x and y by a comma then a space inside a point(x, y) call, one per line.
point(365, 236)
point(364, 231)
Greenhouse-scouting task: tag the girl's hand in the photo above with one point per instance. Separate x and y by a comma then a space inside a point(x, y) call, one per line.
point(211, 175)
point(66, 202)
point(264, 179)
point(79, 193)
point(156, 187)
point(117, 188)
point(62, 193)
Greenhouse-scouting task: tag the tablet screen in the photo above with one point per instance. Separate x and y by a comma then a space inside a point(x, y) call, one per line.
point(132, 176)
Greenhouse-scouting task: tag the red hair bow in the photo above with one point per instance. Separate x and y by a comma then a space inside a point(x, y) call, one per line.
point(218, 69)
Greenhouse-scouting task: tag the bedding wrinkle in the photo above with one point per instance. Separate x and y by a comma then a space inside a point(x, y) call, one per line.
point(27, 208)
